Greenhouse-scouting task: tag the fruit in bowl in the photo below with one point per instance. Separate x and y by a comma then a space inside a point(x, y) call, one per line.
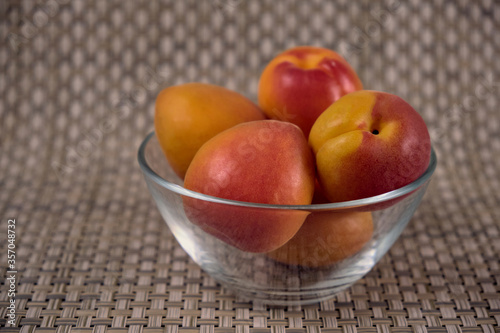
point(368, 143)
point(188, 115)
point(347, 249)
point(300, 83)
point(317, 194)
point(264, 161)
point(326, 237)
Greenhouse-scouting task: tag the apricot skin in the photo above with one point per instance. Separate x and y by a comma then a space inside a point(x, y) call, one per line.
point(368, 143)
point(326, 238)
point(265, 161)
point(300, 83)
point(188, 115)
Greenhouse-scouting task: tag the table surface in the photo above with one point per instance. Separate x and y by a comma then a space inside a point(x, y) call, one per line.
point(77, 87)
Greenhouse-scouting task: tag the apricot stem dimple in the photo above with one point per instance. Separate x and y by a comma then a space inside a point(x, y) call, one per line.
point(375, 132)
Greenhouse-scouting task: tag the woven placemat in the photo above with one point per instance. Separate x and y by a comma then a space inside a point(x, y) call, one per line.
point(77, 86)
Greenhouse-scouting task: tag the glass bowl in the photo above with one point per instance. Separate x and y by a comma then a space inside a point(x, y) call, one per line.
point(336, 245)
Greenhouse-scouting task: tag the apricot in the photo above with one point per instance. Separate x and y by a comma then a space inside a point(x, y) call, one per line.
point(264, 161)
point(300, 83)
point(188, 115)
point(326, 238)
point(368, 143)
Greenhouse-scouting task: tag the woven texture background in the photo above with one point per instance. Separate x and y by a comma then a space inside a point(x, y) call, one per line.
point(77, 86)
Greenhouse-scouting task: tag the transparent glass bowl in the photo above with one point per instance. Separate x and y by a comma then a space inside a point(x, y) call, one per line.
point(336, 245)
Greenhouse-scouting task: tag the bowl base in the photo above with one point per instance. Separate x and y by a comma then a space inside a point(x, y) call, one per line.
point(286, 298)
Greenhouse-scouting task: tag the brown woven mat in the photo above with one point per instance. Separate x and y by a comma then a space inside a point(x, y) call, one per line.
point(77, 86)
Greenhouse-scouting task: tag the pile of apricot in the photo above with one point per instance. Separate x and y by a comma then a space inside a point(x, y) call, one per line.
point(316, 136)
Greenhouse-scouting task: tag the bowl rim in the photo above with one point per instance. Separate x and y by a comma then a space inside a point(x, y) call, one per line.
point(377, 199)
